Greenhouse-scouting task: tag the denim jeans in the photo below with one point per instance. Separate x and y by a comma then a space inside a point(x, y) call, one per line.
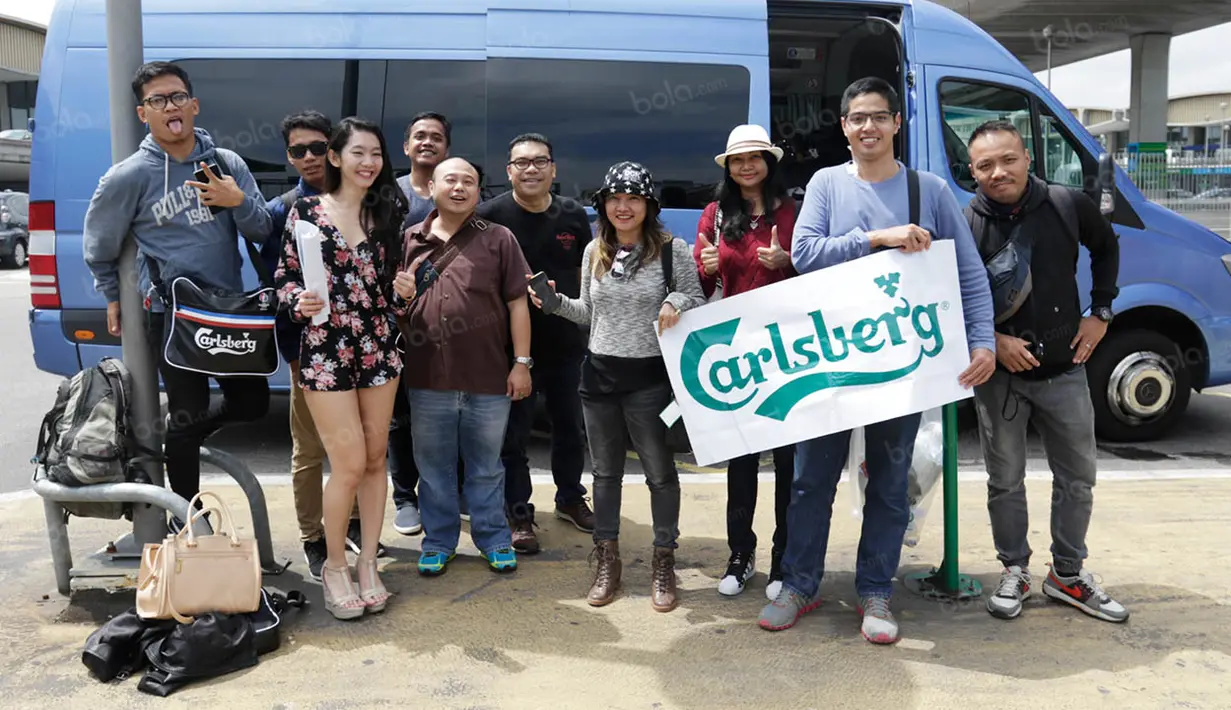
point(559, 382)
point(886, 511)
point(445, 424)
point(606, 420)
point(1063, 414)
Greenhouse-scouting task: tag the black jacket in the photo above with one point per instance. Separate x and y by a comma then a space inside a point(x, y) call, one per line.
point(1049, 317)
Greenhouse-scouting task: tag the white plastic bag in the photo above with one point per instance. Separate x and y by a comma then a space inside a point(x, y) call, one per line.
point(926, 468)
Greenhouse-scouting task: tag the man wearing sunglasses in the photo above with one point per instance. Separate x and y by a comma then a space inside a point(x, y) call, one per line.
point(307, 140)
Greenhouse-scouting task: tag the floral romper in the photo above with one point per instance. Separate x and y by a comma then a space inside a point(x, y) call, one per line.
point(357, 346)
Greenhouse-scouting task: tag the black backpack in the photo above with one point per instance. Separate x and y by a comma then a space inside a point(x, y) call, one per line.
point(86, 437)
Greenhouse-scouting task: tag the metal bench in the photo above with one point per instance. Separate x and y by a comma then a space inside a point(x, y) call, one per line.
point(122, 557)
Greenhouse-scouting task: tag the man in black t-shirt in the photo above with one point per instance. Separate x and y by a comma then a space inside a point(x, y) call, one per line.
point(553, 233)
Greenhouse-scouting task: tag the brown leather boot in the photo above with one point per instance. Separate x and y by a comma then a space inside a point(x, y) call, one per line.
point(663, 591)
point(607, 577)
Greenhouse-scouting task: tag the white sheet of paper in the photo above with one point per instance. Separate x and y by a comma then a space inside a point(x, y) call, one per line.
point(308, 240)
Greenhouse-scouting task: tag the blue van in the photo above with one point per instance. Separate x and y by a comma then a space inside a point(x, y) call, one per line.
point(658, 82)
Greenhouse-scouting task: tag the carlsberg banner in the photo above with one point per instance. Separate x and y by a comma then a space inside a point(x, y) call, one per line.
point(850, 345)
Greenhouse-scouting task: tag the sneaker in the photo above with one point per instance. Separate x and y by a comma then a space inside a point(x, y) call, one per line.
point(1083, 592)
point(1015, 588)
point(579, 514)
point(786, 609)
point(879, 625)
point(354, 538)
point(502, 560)
point(740, 569)
point(407, 520)
point(524, 539)
point(775, 575)
point(314, 553)
point(432, 564)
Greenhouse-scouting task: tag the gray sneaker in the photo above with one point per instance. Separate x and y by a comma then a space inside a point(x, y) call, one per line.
point(407, 520)
point(878, 625)
point(784, 611)
point(1015, 588)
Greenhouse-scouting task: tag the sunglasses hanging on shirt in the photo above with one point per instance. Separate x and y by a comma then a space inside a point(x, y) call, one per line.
point(617, 265)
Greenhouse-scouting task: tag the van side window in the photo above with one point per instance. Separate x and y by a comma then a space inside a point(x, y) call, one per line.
point(964, 107)
point(243, 102)
point(672, 118)
point(1061, 161)
point(454, 88)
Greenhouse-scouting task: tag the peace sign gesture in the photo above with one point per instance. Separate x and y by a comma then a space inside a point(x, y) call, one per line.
point(774, 257)
point(218, 191)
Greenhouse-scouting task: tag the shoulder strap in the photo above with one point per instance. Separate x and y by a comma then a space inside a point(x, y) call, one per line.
point(668, 272)
point(912, 192)
point(288, 198)
point(1062, 200)
point(444, 254)
point(978, 229)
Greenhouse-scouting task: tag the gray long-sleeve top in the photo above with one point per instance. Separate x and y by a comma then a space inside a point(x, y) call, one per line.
point(623, 312)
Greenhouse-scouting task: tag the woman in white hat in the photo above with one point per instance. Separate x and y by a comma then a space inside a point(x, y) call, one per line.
point(625, 298)
point(743, 243)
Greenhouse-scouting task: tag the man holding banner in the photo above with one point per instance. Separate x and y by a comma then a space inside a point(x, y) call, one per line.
point(873, 204)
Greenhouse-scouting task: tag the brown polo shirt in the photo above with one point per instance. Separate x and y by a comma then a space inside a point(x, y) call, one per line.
point(456, 333)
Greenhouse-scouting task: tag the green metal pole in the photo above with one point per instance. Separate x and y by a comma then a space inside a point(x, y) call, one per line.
point(949, 568)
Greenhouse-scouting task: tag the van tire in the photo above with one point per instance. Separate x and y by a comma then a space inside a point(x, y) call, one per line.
point(1140, 385)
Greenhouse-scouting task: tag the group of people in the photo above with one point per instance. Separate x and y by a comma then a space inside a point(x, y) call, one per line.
point(440, 334)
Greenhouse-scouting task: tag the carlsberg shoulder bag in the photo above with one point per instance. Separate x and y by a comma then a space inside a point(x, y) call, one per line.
point(188, 575)
point(218, 333)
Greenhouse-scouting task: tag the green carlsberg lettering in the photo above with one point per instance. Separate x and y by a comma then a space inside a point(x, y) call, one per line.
point(742, 374)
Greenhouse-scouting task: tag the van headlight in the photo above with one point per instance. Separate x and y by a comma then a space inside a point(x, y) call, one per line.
point(4, 218)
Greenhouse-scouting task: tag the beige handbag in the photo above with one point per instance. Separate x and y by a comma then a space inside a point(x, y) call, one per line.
point(188, 575)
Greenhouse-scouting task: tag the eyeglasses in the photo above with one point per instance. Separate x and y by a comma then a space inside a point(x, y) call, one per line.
point(298, 151)
point(617, 266)
point(880, 118)
point(524, 163)
point(158, 101)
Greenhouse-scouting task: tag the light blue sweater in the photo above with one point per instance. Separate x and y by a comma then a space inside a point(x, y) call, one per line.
point(840, 209)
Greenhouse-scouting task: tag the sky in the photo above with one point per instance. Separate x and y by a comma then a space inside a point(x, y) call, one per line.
point(1199, 62)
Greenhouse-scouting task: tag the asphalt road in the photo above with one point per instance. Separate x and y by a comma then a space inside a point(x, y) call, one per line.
point(26, 393)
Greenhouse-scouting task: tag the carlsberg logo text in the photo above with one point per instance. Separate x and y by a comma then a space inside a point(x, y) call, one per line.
point(215, 344)
point(795, 357)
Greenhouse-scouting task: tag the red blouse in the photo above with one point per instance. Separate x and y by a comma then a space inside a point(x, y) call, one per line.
point(738, 264)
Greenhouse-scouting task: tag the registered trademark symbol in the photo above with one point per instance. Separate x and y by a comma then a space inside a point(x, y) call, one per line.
point(944, 306)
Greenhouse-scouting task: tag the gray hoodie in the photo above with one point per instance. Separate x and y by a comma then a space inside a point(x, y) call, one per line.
point(145, 193)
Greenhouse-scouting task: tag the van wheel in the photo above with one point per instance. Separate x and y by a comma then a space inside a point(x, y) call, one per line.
point(18, 258)
point(1138, 385)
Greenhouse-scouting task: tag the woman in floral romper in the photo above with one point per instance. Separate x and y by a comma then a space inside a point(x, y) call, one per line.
point(349, 365)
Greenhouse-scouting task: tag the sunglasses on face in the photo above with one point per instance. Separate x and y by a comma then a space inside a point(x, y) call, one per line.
point(318, 149)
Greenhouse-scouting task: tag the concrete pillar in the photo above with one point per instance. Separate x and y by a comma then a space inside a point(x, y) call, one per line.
point(4, 108)
point(1148, 93)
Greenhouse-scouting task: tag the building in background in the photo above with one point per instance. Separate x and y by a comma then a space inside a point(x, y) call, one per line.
point(21, 56)
point(1196, 123)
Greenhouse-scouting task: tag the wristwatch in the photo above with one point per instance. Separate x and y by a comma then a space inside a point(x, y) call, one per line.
point(1103, 313)
point(527, 361)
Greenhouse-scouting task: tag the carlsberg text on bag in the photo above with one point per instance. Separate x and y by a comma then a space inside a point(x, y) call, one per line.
point(850, 345)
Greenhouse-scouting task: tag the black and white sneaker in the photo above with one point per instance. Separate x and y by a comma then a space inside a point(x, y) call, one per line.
point(739, 570)
point(354, 539)
point(314, 553)
point(1083, 592)
point(1015, 588)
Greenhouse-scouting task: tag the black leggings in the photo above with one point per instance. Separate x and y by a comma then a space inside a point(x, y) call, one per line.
point(742, 488)
point(193, 417)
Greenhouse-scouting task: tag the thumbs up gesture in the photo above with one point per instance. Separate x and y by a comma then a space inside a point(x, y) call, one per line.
point(709, 255)
point(774, 257)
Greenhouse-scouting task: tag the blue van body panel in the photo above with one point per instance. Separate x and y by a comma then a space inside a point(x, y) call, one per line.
point(71, 146)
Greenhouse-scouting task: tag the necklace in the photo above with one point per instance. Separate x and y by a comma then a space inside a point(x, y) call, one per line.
point(755, 221)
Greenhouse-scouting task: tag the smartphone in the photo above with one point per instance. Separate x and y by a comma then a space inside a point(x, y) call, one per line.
point(546, 294)
point(425, 275)
point(202, 177)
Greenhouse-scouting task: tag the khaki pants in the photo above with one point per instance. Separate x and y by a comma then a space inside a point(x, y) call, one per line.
point(307, 465)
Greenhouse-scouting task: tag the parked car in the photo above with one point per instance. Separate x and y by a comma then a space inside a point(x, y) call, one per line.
point(658, 82)
point(16, 134)
point(14, 228)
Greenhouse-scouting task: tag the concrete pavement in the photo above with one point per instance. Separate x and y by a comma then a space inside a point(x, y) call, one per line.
point(475, 639)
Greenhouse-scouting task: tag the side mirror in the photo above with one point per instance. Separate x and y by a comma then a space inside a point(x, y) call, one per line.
point(1106, 184)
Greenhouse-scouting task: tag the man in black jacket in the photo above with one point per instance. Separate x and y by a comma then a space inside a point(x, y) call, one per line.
point(1042, 345)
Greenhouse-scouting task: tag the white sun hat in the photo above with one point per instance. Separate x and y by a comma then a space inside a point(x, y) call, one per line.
point(748, 138)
